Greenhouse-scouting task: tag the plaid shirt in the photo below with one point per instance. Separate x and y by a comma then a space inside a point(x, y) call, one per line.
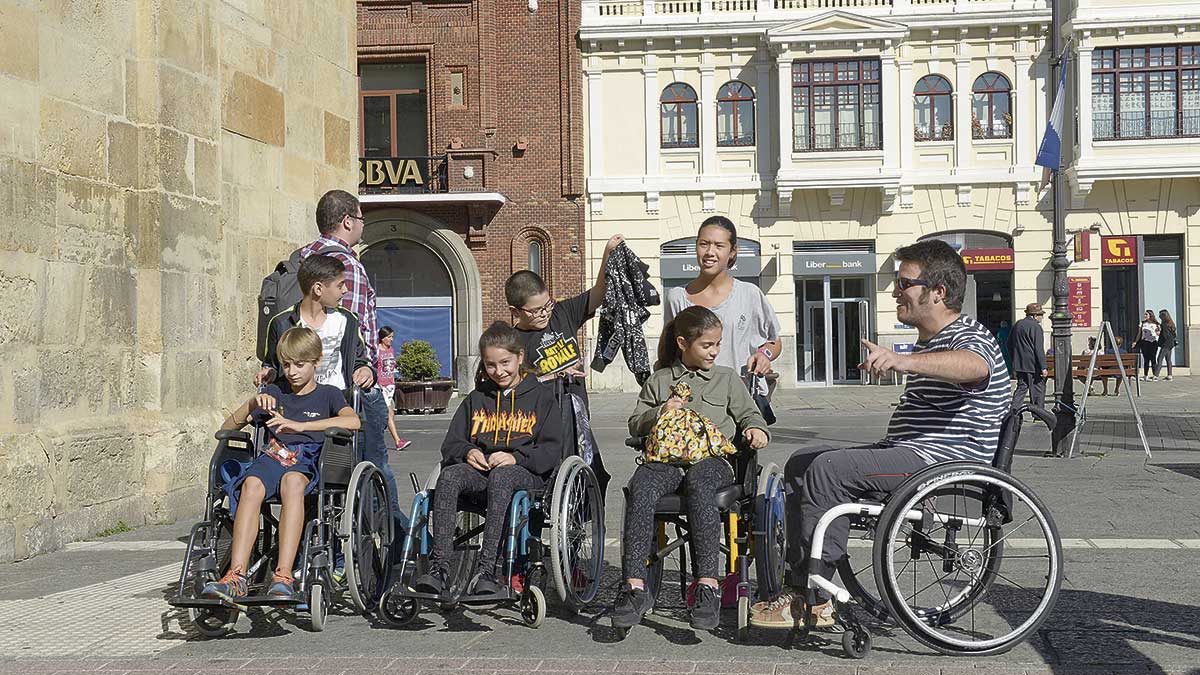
point(360, 296)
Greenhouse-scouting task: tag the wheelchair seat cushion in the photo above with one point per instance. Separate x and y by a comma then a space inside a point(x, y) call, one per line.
point(676, 502)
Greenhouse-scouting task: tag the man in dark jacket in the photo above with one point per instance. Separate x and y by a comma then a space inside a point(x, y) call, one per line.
point(1027, 347)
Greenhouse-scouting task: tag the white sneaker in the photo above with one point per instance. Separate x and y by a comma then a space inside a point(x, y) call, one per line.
point(1168, 378)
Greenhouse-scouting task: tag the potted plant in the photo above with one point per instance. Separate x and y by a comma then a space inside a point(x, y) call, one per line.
point(419, 388)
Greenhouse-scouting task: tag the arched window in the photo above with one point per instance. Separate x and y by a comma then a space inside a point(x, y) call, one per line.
point(735, 114)
point(991, 107)
point(680, 117)
point(934, 112)
point(535, 257)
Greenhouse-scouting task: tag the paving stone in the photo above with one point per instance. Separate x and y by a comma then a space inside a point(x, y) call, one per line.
point(523, 665)
point(580, 665)
point(656, 667)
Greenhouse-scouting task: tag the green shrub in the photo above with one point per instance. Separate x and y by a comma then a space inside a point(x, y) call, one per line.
point(417, 361)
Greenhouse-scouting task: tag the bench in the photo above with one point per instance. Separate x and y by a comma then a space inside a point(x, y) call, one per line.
point(1106, 367)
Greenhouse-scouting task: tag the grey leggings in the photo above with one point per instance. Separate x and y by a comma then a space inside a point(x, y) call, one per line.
point(653, 480)
point(462, 479)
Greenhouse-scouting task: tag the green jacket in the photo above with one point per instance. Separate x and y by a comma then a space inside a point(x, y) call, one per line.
point(718, 394)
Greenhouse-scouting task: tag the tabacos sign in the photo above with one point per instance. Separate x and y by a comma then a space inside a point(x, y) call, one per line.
point(391, 173)
point(979, 259)
point(1118, 251)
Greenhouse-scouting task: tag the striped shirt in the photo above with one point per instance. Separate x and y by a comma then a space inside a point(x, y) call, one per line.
point(360, 295)
point(942, 421)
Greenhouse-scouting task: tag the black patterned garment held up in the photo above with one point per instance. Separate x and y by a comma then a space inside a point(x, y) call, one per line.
point(627, 294)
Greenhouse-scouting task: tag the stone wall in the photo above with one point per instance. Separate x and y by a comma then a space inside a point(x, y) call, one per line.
point(156, 158)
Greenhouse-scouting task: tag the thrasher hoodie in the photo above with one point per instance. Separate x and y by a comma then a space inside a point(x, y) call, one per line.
point(524, 420)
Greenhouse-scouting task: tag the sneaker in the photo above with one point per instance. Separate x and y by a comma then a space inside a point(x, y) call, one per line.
point(231, 588)
point(339, 575)
point(486, 584)
point(706, 613)
point(432, 582)
point(402, 443)
point(282, 588)
point(632, 604)
point(1169, 377)
point(785, 612)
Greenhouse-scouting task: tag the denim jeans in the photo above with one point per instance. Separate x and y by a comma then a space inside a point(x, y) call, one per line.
point(374, 450)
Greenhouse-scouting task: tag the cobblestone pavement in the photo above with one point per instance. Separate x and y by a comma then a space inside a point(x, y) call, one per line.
point(1130, 602)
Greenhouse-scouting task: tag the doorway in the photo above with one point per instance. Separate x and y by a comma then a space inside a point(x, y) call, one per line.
point(849, 324)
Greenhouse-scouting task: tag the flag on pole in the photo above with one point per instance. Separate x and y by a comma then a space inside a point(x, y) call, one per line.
point(1050, 153)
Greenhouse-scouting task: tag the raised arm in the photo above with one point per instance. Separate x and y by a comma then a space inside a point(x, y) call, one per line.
point(958, 366)
point(596, 295)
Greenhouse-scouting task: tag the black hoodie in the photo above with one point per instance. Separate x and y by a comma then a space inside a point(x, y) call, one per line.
point(524, 420)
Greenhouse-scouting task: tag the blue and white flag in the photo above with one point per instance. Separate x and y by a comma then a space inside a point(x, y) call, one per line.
point(1050, 153)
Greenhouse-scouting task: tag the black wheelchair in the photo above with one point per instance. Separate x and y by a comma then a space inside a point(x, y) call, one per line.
point(753, 510)
point(945, 564)
point(563, 522)
point(350, 506)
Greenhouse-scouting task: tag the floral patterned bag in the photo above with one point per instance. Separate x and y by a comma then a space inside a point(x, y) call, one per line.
point(684, 436)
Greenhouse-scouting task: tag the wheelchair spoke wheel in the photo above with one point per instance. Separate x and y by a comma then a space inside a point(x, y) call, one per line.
point(576, 534)
point(968, 559)
point(366, 531)
point(770, 546)
point(212, 622)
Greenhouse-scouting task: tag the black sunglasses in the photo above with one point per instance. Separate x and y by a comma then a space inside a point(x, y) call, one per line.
point(904, 283)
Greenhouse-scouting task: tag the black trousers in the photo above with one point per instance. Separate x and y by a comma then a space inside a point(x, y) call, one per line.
point(1149, 352)
point(818, 479)
point(1035, 385)
point(463, 479)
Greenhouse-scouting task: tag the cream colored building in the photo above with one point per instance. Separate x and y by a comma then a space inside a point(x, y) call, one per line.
point(898, 119)
point(156, 160)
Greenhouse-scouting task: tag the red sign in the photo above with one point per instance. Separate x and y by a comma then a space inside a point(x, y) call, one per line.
point(978, 259)
point(1118, 251)
point(1079, 299)
point(1083, 246)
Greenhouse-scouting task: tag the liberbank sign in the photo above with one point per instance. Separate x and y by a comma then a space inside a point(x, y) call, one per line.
point(847, 264)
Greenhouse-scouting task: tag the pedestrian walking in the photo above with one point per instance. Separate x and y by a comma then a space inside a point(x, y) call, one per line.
point(1027, 347)
point(1147, 343)
point(1168, 338)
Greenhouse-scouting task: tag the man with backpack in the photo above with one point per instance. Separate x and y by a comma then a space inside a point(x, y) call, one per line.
point(340, 225)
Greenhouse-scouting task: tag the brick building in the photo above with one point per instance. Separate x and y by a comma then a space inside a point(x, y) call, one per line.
point(472, 161)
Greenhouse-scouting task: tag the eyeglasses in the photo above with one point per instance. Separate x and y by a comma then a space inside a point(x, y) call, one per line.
point(358, 218)
point(540, 311)
point(904, 283)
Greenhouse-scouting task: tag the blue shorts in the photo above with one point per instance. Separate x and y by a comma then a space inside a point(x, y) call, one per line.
point(270, 472)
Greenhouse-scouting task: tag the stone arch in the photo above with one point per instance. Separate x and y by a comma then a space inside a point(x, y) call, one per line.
point(398, 223)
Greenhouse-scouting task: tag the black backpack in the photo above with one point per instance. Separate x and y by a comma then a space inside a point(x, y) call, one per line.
point(280, 290)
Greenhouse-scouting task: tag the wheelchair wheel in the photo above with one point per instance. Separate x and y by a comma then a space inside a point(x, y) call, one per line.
point(856, 642)
point(576, 534)
point(397, 611)
point(318, 606)
point(213, 623)
point(770, 541)
point(366, 531)
point(940, 548)
point(743, 619)
point(466, 553)
point(533, 606)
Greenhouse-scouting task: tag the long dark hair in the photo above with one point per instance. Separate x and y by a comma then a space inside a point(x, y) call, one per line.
point(730, 229)
point(1153, 319)
point(385, 333)
point(689, 325)
point(1167, 321)
point(504, 336)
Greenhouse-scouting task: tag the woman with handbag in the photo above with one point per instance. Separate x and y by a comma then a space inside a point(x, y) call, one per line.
point(688, 411)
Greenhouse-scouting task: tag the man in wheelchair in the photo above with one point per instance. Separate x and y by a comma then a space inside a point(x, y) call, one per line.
point(952, 407)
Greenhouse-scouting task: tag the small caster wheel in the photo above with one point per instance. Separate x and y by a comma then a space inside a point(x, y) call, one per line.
point(621, 633)
point(856, 642)
point(318, 607)
point(213, 623)
point(533, 606)
point(743, 618)
point(398, 612)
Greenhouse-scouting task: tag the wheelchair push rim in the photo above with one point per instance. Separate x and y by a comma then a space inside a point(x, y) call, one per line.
point(942, 566)
point(576, 534)
point(366, 529)
point(770, 550)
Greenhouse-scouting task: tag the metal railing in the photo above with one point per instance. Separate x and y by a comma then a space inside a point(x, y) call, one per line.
point(824, 137)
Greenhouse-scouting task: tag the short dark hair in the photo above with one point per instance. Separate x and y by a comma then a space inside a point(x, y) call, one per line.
point(941, 266)
point(333, 207)
point(730, 229)
point(521, 286)
point(319, 268)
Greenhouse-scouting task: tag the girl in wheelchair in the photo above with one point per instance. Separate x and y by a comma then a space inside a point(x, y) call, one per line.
point(685, 449)
point(286, 469)
point(505, 436)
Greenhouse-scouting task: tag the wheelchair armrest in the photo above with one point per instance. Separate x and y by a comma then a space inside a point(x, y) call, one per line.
point(636, 442)
point(338, 434)
point(232, 435)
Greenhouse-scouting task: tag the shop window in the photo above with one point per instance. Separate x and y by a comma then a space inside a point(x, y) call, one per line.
point(393, 100)
point(1146, 92)
point(735, 115)
point(991, 107)
point(836, 105)
point(933, 109)
point(680, 118)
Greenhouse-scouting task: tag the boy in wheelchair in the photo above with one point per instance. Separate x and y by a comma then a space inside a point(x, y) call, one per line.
point(286, 470)
point(505, 436)
point(685, 379)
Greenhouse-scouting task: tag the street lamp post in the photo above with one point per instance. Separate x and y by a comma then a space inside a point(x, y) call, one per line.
point(1060, 317)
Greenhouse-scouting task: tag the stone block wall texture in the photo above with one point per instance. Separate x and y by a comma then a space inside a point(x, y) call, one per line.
point(156, 158)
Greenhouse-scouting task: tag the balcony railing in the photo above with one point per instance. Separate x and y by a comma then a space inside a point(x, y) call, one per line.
point(393, 175)
point(668, 8)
